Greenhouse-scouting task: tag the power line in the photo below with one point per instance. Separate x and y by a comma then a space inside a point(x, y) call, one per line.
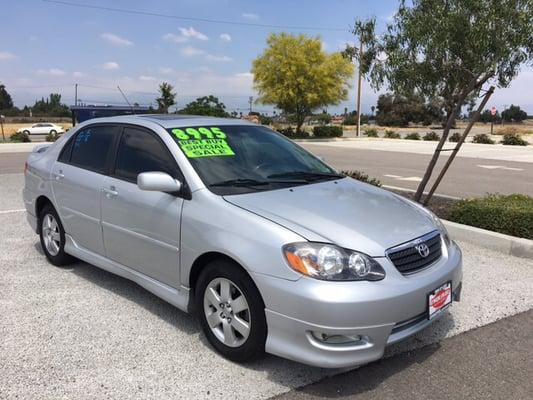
point(197, 19)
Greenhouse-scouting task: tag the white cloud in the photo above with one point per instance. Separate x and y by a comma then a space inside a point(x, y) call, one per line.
point(172, 37)
point(185, 35)
point(147, 78)
point(78, 74)
point(190, 32)
point(5, 55)
point(110, 65)
point(211, 57)
point(189, 51)
point(252, 16)
point(116, 40)
point(225, 37)
point(51, 72)
point(32, 38)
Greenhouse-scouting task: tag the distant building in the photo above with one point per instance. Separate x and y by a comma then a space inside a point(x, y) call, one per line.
point(83, 113)
point(251, 118)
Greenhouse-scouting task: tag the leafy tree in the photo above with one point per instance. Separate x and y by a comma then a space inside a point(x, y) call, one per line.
point(5, 99)
point(295, 75)
point(50, 107)
point(487, 117)
point(167, 97)
point(397, 110)
point(206, 105)
point(514, 114)
point(449, 50)
point(265, 119)
point(323, 118)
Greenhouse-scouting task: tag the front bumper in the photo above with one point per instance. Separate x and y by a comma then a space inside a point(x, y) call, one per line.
point(378, 313)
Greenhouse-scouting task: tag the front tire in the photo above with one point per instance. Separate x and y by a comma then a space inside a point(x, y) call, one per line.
point(26, 132)
point(231, 311)
point(52, 237)
point(53, 132)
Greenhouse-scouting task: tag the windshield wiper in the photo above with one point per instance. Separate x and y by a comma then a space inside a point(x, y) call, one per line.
point(253, 182)
point(307, 175)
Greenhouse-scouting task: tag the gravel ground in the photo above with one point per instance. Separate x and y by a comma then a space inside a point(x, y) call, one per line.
point(80, 332)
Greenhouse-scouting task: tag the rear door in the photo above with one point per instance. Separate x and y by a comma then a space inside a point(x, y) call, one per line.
point(142, 228)
point(77, 179)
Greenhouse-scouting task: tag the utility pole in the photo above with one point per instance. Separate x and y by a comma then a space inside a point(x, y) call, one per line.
point(250, 101)
point(359, 80)
point(75, 94)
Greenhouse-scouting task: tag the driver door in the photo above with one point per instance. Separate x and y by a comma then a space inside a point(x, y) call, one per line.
point(141, 229)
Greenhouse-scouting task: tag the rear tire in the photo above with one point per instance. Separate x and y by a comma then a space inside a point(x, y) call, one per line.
point(234, 324)
point(52, 237)
point(26, 132)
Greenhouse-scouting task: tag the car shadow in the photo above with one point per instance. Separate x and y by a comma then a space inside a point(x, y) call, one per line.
point(280, 371)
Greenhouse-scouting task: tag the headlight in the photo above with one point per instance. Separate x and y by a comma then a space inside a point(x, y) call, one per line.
point(329, 262)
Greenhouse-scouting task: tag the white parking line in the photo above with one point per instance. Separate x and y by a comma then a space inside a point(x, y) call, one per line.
point(404, 178)
point(445, 196)
point(12, 211)
point(500, 167)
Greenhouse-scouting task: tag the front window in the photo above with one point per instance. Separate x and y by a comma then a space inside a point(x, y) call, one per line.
point(237, 159)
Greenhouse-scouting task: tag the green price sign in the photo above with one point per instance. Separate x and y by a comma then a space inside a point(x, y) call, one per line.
point(203, 142)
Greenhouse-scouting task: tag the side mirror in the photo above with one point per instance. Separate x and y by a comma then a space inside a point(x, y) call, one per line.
point(158, 182)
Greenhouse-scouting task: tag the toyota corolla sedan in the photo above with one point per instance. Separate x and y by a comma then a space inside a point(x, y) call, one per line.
point(42, 128)
point(271, 248)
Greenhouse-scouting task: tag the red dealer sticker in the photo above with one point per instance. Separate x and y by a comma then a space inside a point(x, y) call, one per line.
point(439, 299)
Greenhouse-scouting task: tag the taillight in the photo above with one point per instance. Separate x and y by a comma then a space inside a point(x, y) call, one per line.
point(25, 167)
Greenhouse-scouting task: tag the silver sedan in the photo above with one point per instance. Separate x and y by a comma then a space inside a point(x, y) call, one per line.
point(272, 249)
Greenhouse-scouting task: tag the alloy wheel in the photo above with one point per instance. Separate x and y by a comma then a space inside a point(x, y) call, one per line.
point(227, 312)
point(51, 235)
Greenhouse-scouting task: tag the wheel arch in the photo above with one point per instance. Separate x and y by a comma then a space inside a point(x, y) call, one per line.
point(40, 202)
point(205, 259)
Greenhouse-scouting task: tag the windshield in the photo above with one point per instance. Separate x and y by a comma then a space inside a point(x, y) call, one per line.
point(235, 159)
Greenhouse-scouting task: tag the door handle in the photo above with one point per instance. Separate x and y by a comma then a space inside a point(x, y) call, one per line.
point(59, 175)
point(110, 193)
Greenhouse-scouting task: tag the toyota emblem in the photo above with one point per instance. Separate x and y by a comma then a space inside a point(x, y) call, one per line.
point(423, 249)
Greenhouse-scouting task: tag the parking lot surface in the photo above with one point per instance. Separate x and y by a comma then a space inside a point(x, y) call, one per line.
point(80, 332)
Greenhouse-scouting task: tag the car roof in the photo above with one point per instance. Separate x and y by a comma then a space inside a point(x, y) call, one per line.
point(173, 120)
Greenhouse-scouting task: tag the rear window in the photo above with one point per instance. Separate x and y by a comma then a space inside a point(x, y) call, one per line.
point(91, 146)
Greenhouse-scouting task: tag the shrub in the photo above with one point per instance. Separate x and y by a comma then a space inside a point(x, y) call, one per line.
point(431, 136)
point(371, 132)
point(412, 136)
point(455, 137)
point(511, 215)
point(20, 137)
point(327, 131)
point(391, 134)
point(361, 176)
point(513, 139)
point(291, 133)
point(52, 137)
point(482, 138)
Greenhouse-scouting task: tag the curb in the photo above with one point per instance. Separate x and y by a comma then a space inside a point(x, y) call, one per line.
point(506, 244)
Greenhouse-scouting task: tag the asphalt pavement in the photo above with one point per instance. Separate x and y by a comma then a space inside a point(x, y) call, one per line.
point(492, 362)
point(467, 177)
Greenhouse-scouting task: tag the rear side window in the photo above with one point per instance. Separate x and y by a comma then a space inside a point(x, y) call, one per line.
point(91, 146)
point(140, 151)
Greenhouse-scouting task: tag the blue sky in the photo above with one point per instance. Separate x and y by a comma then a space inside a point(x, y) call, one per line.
point(47, 47)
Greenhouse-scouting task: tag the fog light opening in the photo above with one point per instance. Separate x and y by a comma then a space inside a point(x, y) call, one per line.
point(338, 339)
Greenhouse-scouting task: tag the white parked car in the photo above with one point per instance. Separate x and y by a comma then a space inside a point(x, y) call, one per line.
point(42, 128)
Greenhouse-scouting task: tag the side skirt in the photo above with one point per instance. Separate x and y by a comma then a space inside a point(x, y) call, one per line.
point(177, 297)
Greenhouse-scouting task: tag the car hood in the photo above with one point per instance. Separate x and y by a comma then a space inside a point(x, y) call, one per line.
point(346, 212)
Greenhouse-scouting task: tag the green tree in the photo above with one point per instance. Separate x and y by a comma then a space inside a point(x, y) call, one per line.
point(50, 107)
point(486, 117)
point(167, 97)
point(514, 114)
point(206, 105)
point(295, 75)
point(449, 50)
point(6, 102)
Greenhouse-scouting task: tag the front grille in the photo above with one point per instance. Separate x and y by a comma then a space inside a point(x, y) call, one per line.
point(406, 257)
